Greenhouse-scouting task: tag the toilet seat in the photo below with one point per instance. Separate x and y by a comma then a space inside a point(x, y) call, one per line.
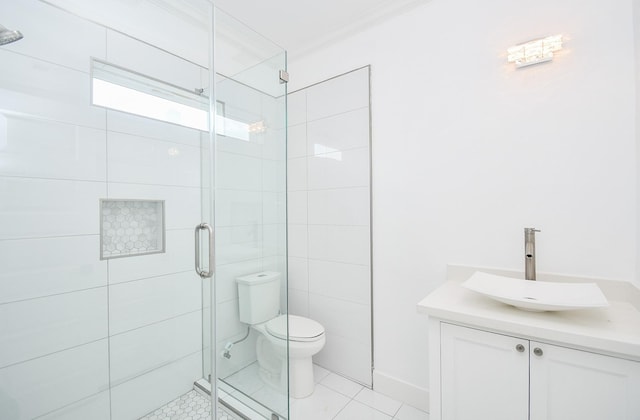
point(300, 328)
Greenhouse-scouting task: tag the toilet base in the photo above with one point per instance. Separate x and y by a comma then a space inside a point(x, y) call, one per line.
point(272, 359)
point(301, 383)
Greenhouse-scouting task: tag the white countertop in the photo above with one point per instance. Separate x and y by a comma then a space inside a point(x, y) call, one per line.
point(614, 330)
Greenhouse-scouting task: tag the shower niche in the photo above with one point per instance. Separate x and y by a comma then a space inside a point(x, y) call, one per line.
point(131, 227)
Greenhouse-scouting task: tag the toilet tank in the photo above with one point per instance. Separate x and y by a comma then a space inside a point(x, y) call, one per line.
point(259, 296)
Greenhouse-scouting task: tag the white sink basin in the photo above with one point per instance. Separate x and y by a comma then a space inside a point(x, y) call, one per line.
point(537, 296)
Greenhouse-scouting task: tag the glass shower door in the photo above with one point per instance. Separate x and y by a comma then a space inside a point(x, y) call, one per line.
point(249, 158)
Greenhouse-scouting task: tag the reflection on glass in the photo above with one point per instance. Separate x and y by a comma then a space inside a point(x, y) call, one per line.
point(322, 151)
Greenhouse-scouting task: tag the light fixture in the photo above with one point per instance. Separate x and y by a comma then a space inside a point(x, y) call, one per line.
point(534, 52)
point(257, 127)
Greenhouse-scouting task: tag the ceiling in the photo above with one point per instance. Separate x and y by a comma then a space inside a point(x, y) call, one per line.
point(302, 25)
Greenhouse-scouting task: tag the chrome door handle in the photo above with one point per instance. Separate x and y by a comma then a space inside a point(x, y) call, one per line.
point(202, 273)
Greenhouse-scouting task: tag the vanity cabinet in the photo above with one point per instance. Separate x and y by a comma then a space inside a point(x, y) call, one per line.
point(489, 375)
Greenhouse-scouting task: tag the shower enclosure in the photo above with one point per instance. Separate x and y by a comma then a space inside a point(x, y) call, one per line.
point(135, 139)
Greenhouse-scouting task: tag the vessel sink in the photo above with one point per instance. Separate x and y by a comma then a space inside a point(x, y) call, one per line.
point(537, 296)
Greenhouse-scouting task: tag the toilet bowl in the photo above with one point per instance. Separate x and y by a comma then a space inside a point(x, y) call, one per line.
point(306, 338)
point(259, 302)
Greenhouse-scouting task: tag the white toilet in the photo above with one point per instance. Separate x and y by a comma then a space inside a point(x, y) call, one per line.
point(259, 296)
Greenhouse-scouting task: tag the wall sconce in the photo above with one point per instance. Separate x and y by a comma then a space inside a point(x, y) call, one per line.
point(534, 52)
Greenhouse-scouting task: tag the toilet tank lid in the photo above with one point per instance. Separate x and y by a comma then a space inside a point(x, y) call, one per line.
point(299, 327)
point(257, 278)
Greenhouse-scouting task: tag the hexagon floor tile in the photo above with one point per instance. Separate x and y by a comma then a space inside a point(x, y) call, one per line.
point(190, 406)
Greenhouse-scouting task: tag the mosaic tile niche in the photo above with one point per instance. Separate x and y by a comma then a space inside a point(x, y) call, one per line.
point(131, 227)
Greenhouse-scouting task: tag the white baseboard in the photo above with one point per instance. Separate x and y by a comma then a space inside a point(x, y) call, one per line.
point(400, 390)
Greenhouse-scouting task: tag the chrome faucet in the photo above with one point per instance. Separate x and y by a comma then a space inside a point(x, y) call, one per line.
point(530, 253)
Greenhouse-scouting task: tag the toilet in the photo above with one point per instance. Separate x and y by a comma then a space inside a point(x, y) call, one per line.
point(259, 302)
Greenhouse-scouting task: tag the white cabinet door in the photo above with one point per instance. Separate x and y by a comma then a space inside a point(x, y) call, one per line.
point(572, 384)
point(483, 375)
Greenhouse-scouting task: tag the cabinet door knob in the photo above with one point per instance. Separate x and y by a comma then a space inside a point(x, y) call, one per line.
point(520, 348)
point(537, 351)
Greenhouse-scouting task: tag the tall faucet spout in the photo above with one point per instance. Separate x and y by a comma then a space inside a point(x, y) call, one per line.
point(530, 253)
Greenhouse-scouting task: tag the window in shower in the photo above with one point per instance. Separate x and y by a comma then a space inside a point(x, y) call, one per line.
point(117, 88)
point(121, 89)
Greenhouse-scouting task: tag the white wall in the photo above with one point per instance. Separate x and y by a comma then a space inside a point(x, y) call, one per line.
point(328, 218)
point(467, 151)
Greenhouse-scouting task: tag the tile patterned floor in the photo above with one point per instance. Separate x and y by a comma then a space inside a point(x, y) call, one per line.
point(190, 406)
point(335, 398)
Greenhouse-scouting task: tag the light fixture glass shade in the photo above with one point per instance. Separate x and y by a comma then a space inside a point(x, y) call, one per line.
point(534, 52)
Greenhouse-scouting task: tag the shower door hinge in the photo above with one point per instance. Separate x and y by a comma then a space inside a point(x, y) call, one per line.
point(284, 76)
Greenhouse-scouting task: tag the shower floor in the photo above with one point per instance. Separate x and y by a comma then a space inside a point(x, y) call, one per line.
point(190, 406)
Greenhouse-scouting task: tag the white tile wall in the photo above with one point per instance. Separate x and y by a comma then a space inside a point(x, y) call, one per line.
point(138, 56)
point(271, 171)
point(181, 204)
point(178, 258)
point(297, 108)
point(52, 92)
point(345, 131)
point(298, 241)
point(38, 23)
point(96, 407)
point(347, 357)
point(139, 303)
point(273, 207)
point(238, 208)
point(273, 242)
point(122, 122)
point(297, 141)
point(332, 313)
point(238, 243)
point(339, 169)
point(45, 384)
point(348, 244)
point(349, 282)
point(299, 273)
point(46, 325)
point(137, 397)
point(238, 172)
point(143, 160)
point(345, 206)
point(142, 350)
point(42, 148)
point(36, 208)
point(297, 207)
point(329, 218)
point(353, 91)
point(298, 302)
point(40, 267)
point(231, 326)
point(297, 174)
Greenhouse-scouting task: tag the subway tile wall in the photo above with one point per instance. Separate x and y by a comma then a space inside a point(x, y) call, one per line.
point(82, 338)
point(329, 218)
